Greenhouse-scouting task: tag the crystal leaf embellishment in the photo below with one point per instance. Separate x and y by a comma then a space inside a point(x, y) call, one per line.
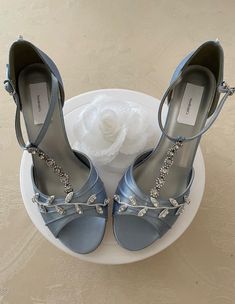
point(91, 199)
point(106, 201)
point(180, 210)
point(132, 200)
point(60, 210)
point(173, 202)
point(35, 198)
point(116, 197)
point(42, 209)
point(142, 212)
point(154, 201)
point(154, 193)
point(187, 200)
point(122, 208)
point(163, 213)
point(78, 209)
point(68, 197)
point(164, 170)
point(50, 200)
point(99, 209)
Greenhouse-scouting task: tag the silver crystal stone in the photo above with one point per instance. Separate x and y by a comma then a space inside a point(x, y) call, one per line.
point(116, 197)
point(42, 208)
point(142, 212)
point(64, 178)
point(32, 150)
point(164, 171)
point(168, 162)
point(57, 169)
point(91, 199)
point(170, 154)
point(99, 209)
point(187, 200)
point(60, 210)
point(133, 201)
point(50, 162)
point(68, 188)
point(160, 181)
point(35, 198)
point(78, 209)
point(163, 213)
point(173, 202)
point(180, 210)
point(106, 201)
point(122, 208)
point(50, 200)
point(154, 193)
point(42, 155)
point(154, 201)
point(68, 197)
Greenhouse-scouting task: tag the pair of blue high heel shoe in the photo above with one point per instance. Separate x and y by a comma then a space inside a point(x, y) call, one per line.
point(154, 190)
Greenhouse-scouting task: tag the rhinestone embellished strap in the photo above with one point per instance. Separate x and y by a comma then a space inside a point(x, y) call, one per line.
point(155, 191)
point(64, 178)
point(51, 163)
point(164, 171)
point(46, 206)
point(142, 209)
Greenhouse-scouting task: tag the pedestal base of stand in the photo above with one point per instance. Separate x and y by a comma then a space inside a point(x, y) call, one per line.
point(109, 252)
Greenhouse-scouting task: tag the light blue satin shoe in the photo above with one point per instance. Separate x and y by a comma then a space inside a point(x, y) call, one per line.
point(155, 189)
point(68, 191)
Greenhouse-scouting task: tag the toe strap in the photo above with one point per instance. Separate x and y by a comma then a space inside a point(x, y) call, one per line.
point(162, 214)
point(57, 224)
point(57, 213)
point(91, 200)
point(56, 221)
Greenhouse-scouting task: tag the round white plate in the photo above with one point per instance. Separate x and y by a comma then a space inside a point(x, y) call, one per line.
point(109, 252)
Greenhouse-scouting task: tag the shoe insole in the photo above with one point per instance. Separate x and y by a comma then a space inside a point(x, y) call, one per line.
point(188, 111)
point(35, 90)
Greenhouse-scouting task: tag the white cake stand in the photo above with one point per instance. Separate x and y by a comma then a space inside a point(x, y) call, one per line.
point(109, 252)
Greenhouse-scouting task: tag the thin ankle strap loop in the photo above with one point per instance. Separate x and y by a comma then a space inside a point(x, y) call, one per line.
point(18, 129)
point(223, 89)
point(43, 130)
point(53, 101)
point(166, 94)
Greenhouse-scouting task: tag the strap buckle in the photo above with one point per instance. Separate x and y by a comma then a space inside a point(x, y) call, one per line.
point(9, 87)
point(30, 147)
point(225, 88)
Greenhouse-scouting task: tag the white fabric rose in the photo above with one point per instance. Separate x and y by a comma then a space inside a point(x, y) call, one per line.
point(113, 132)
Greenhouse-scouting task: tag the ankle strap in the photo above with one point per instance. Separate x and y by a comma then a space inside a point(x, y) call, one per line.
point(224, 88)
point(53, 100)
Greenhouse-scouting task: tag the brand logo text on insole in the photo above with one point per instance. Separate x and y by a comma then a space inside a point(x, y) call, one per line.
point(189, 106)
point(39, 103)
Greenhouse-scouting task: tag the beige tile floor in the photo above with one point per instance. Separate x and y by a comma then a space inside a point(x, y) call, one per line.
point(132, 44)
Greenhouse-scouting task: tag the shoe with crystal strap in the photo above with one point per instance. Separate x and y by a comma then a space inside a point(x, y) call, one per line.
point(155, 189)
point(69, 194)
